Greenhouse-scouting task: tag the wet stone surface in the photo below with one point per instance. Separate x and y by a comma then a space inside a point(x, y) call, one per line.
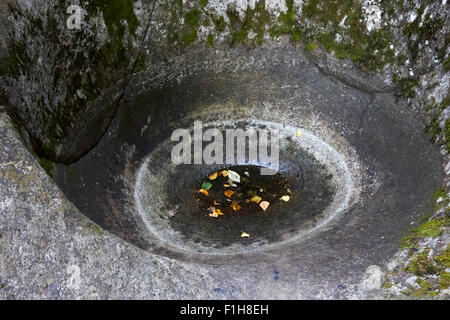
point(215, 212)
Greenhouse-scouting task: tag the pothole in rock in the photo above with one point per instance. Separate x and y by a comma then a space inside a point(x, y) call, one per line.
point(256, 209)
point(362, 171)
point(216, 209)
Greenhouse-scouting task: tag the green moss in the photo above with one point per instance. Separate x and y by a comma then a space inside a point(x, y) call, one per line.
point(95, 227)
point(210, 40)
point(444, 281)
point(443, 260)
point(421, 264)
point(220, 24)
point(191, 20)
point(405, 86)
point(203, 3)
point(255, 20)
point(368, 50)
point(47, 165)
point(432, 228)
point(426, 288)
point(421, 30)
point(311, 46)
point(387, 285)
point(287, 24)
point(114, 13)
point(447, 64)
point(140, 63)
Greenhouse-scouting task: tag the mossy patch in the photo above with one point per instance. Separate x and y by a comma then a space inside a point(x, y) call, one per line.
point(95, 227)
point(432, 228)
point(47, 165)
point(421, 264)
point(114, 14)
point(252, 28)
point(370, 51)
point(426, 288)
point(405, 86)
point(288, 24)
point(192, 23)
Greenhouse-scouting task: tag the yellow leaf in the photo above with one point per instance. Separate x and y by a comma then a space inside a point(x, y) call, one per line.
point(264, 205)
point(299, 133)
point(224, 173)
point(213, 176)
point(214, 214)
point(245, 235)
point(256, 199)
point(228, 193)
point(216, 203)
point(219, 212)
point(206, 193)
point(235, 206)
point(285, 198)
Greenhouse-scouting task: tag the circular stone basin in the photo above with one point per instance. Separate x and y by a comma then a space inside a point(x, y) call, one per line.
point(360, 172)
point(321, 189)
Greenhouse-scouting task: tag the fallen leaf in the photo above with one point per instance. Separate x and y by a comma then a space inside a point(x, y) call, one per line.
point(285, 198)
point(245, 235)
point(235, 206)
point(264, 205)
point(247, 174)
point(256, 199)
point(299, 133)
point(214, 215)
point(228, 193)
point(206, 185)
point(213, 176)
point(216, 203)
point(218, 211)
point(206, 193)
point(224, 173)
point(173, 212)
point(234, 176)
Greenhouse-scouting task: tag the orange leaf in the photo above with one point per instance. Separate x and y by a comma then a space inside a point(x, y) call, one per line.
point(206, 193)
point(235, 206)
point(224, 173)
point(213, 176)
point(228, 193)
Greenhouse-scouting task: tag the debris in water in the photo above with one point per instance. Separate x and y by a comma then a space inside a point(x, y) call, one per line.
point(173, 212)
point(264, 205)
point(228, 193)
point(245, 235)
point(234, 176)
point(256, 199)
point(206, 185)
point(213, 176)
